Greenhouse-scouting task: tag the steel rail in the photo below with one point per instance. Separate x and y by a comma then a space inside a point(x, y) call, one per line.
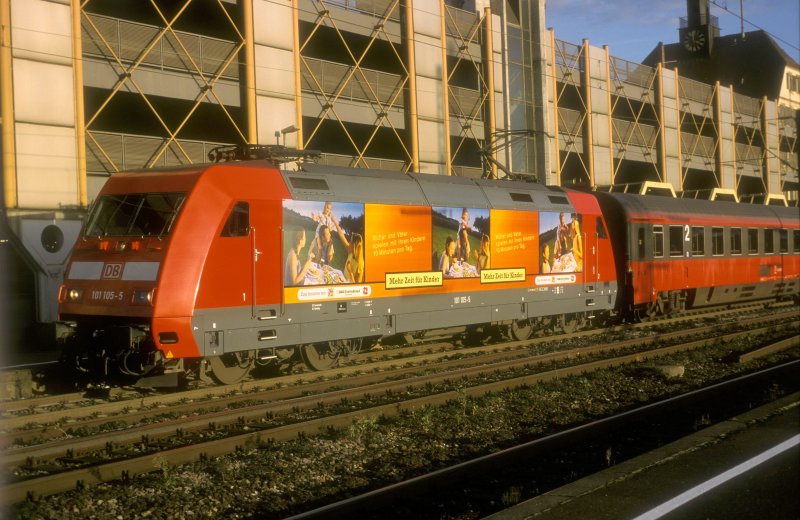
point(255, 435)
point(376, 499)
point(75, 402)
point(77, 398)
point(448, 369)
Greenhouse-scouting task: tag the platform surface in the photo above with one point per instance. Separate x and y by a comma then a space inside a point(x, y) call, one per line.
point(746, 467)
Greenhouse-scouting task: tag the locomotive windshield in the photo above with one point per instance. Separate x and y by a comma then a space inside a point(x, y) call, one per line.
point(134, 214)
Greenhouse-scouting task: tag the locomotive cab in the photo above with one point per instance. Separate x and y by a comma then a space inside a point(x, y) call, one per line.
point(111, 287)
point(160, 252)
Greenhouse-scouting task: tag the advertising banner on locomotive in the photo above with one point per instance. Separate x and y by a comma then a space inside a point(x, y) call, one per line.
point(337, 250)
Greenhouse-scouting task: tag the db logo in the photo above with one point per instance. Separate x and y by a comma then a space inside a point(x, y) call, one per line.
point(112, 270)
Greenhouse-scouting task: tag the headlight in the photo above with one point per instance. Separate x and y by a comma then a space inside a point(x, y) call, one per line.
point(143, 296)
point(72, 295)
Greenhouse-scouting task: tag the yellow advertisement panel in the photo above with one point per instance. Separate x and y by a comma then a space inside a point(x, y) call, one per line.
point(397, 239)
point(515, 239)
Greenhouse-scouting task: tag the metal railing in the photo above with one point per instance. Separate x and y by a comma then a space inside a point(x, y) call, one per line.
point(698, 145)
point(696, 91)
point(624, 71)
point(465, 102)
point(370, 7)
point(635, 134)
point(705, 19)
point(568, 55)
point(460, 24)
point(108, 152)
point(747, 106)
point(330, 76)
point(128, 39)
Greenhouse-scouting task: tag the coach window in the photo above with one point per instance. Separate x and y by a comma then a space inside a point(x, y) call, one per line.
point(676, 240)
point(658, 241)
point(784, 240)
point(717, 241)
point(752, 242)
point(238, 223)
point(698, 241)
point(796, 240)
point(736, 241)
point(769, 241)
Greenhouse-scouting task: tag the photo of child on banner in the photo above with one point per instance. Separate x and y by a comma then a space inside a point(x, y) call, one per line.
point(324, 242)
point(460, 241)
point(560, 235)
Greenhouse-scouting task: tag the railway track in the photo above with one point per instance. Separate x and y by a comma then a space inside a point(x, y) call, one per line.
point(192, 430)
point(464, 485)
point(54, 413)
point(73, 401)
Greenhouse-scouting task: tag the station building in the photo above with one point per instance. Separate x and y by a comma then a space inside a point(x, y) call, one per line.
point(447, 87)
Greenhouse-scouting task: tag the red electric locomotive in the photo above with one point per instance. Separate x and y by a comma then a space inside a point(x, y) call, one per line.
point(214, 269)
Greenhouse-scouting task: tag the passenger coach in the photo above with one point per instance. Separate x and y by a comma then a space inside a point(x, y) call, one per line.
point(675, 253)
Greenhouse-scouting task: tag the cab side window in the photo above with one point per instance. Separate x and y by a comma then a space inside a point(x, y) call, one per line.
point(601, 229)
point(238, 223)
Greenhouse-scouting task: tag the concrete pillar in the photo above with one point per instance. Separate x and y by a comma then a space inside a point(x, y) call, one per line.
point(275, 65)
point(7, 108)
point(597, 124)
point(554, 173)
point(249, 84)
point(543, 111)
point(726, 137)
point(669, 141)
point(44, 173)
point(445, 87)
point(426, 103)
point(771, 170)
point(411, 115)
point(490, 124)
point(588, 120)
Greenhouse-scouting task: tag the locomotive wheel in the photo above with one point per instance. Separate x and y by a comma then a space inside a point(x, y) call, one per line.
point(324, 356)
point(521, 329)
point(570, 324)
point(231, 368)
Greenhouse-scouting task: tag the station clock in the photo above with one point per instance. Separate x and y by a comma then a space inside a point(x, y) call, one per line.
point(694, 40)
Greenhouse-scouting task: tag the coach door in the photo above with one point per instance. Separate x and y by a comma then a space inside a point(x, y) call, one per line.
point(265, 253)
point(680, 249)
point(590, 254)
